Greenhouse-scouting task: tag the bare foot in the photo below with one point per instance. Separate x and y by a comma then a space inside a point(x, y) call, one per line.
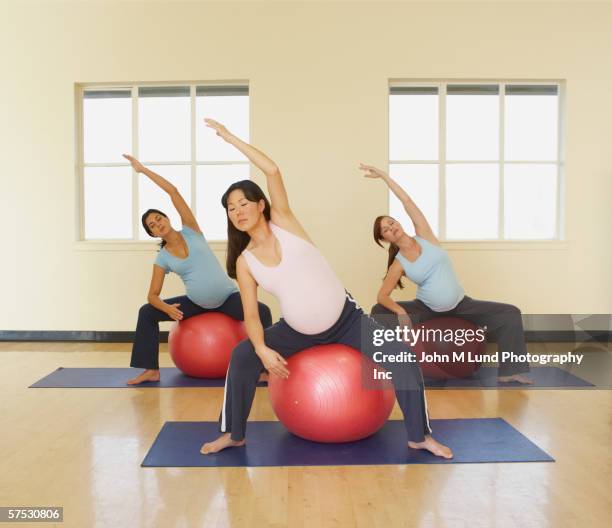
point(520, 378)
point(432, 446)
point(224, 441)
point(147, 375)
point(263, 377)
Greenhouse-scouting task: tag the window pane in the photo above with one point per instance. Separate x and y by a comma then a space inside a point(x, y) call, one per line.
point(472, 201)
point(108, 202)
point(413, 126)
point(530, 206)
point(164, 124)
point(230, 110)
point(472, 123)
point(150, 196)
point(531, 123)
point(421, 183)
point(107, 125)
point(213, 181)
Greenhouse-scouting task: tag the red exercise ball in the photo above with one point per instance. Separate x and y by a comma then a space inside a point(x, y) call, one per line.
point(202, 345)
point(430, 345)
point(324, 398)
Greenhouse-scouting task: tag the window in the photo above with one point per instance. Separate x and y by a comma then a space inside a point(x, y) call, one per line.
point(163, 127)
point(482, 161)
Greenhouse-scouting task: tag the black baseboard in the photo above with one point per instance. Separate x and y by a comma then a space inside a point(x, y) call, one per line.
point(92, 336)
point(532, 336)
point(568, 336)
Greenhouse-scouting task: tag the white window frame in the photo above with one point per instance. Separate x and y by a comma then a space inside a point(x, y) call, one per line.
point(135, 244)
point(558, 242)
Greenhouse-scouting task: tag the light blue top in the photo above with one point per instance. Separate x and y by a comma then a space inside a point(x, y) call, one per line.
point(205, 281)
point(433, 273)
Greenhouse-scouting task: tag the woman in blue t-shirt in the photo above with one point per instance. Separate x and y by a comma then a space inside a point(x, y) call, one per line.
point(187, 254)
point(424, 262)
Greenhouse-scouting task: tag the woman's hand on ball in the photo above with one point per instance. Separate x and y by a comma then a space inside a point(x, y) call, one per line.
point(174, 312)
point(273, 362)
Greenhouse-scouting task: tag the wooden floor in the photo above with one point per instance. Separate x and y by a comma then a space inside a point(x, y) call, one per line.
point(82, 449)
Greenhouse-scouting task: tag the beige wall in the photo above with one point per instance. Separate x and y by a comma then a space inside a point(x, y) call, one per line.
point(318, 74)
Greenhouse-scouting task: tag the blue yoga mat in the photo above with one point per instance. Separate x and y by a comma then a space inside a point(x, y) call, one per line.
point(116, 378)
point(485, 377)
point(473, 440)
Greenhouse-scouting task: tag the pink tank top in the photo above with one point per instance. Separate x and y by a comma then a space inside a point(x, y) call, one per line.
point(310, 294)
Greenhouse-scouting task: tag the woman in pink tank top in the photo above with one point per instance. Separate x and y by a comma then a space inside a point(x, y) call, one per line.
point(268, 247)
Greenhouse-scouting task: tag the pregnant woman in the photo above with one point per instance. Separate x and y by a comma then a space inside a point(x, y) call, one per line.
point(424, 262)
point(268, 246)
point(187, 254)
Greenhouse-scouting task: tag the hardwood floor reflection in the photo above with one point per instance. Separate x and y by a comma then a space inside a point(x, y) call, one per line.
point(82, 449)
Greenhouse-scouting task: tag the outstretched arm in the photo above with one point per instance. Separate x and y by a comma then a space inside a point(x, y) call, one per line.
point(421, 225)
point(276, 188)
point(187, 217)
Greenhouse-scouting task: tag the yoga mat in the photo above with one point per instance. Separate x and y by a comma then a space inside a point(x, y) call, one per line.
point(473, 440)
point(486, 378)
point(116, 378)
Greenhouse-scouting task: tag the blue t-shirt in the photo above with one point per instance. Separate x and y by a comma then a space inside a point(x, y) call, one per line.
point(206, 283)
point(433, 273)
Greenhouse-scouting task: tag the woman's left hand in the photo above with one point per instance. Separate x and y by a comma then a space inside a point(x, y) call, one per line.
point(371, 171)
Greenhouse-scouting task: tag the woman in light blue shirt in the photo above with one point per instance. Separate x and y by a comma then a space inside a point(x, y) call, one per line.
point(187, 254)
point(422, 259)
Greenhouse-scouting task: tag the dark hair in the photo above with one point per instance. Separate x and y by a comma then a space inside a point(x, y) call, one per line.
point(393, 249)
point(238, 240)
point(146, 227)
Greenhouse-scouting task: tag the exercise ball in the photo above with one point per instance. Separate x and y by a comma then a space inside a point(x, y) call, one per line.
point(324, 398)
point(202, 345)
point(434, 341)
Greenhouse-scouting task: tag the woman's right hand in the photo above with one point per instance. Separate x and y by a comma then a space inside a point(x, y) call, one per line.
point(371, 171)
point(273, 362)
point(136, 165)
point(174, 313)
point(404, 321)
point(221, 131)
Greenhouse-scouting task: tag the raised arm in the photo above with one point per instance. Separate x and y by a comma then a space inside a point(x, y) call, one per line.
point(272, 360)
point(421, 225)
point(279, 200)
point(187, 217)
